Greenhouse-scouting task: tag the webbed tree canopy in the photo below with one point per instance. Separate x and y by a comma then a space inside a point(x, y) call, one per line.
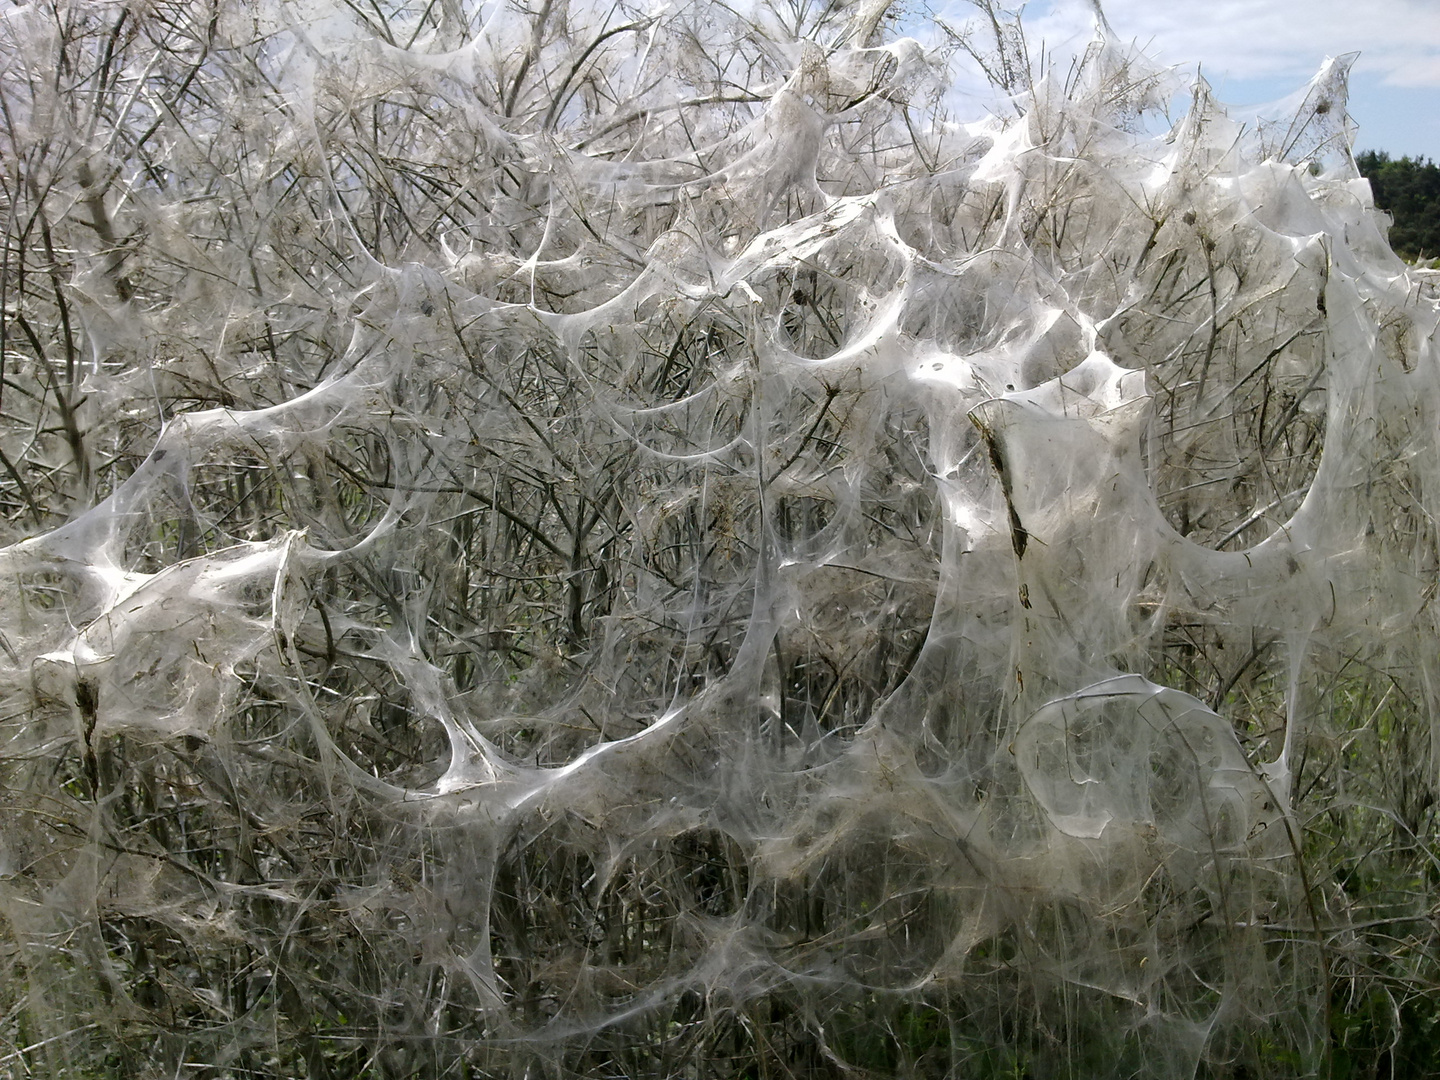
point(582, 540)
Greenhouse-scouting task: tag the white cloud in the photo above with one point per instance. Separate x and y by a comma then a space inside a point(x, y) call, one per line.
point(1399, 40)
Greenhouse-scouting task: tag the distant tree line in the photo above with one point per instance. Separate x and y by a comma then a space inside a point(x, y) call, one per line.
point(1409, 188)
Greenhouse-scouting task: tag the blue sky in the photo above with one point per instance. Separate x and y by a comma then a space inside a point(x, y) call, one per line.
point(1255, 51)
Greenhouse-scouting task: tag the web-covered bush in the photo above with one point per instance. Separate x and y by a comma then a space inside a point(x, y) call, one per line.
point(619, 541)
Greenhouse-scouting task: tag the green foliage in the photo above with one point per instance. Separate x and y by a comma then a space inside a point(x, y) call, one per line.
point(1409, 189)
